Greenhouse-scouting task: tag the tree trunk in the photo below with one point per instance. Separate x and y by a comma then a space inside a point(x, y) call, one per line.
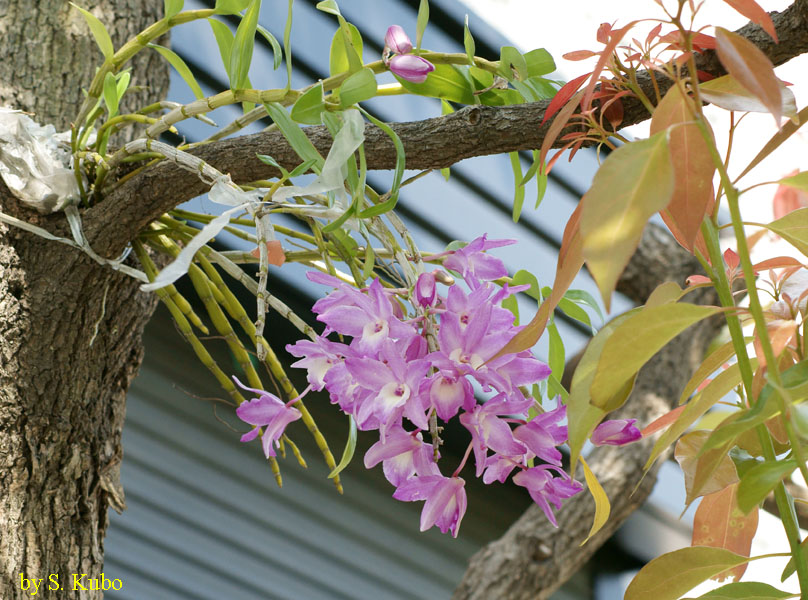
point(70, 330)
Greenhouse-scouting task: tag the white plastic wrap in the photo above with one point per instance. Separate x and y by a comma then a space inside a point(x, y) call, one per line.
point(35, 162)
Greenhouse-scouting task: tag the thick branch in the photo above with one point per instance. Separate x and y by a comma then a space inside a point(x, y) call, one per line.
point(432, 143)
point(533, 558)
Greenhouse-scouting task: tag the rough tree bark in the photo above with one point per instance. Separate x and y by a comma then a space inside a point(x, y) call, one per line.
point(70, 330)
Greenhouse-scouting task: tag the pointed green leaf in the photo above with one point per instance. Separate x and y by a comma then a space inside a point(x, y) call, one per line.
point(585, 298)
point(398, 174)
point(791, 567)
point(348, 452)
point(308, 107)
point(745, 590)
point(539, 62)
point(230, 7)
point(339, 61)
point(445, 82)
point(243, 45)
point(302, 168)
point(445, 109)
point(510, 60)
point(673, 574)
point(172, 7)
point(359, 87)
point(99, 32)
point(793, 228)
point(710, 365)
point(602, 505)
point(175, 61)
point(728, 93)
point(760, 480)
point(294, 135)
point(706, 399)
point(523, 277)
point(111, 94)
point(277, 52)
point(224, 40)
point(468, 41)
point(626, 352)
point(634, 183)
point(328, 6)
point(518, 188)
point(799, 181)
point(555, 356)
point(582, 417)
point(420, 24)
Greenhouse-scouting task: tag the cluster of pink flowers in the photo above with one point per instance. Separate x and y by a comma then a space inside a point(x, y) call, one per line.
point(399, 371)
point(407, 66)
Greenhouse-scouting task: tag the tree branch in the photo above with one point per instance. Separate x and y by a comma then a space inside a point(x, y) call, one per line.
point(432, 143)
point(532, 559)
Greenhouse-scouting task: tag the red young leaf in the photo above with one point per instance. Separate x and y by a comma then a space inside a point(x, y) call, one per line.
point(275, 254)
point(692, 163)
point(775, 263)
point(746, 63)
point(614, 37)
point(579, 55)
point(563, 95)
point(663, 421)
point(653, 33)
point(721, 524)
point(752, 11)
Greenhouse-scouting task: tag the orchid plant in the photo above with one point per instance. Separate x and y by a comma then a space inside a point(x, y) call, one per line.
point(412, 339)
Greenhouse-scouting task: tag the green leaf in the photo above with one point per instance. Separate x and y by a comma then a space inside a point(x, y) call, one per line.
point(420, 24)
point(634, 183)
point(512, 305)
point(277, 52)
point(745, 590)
point(539, 62)
point(398, 174)
point(294, 135)
point(224, 40)
point(446, 82)
point(510, 60)
point(370, 262)
point(518, 188)
point(793, 228)
point(302, 168)
point(359, 87)
point(582, 417)
point(230, 7)
point(626, 352)
point(760, 480)
point(339, 60)
point(111, 94)
point(572, 310)
point(172, 7)
point(556, 353)
point(708, 366)
point(673, 574)
point(348, 452)
point(328, 6)
point(707, 398)
point(602, 505)
point(523, 277)
point(243, 45)
point(791, 567)
point(123, 83)
point(268, 160)
point(799, 181)
point(468, 41)
point(585, 298)
point(308, 107)
point(175, 61)
point(99, 32)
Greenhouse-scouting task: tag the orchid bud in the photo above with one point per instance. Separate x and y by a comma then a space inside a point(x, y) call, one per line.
point(412, 68)
point(397, 40)
point(425, 290)
point(616, 433)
